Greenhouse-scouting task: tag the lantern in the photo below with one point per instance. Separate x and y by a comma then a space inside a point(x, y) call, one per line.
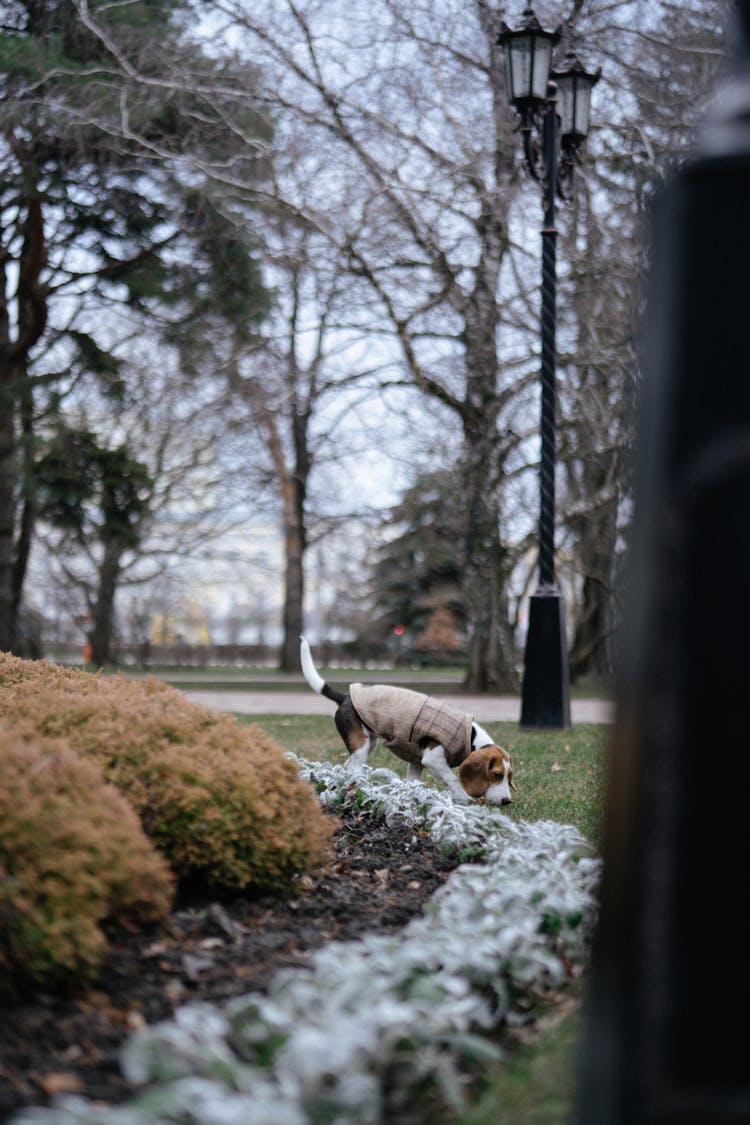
point(528, 57)
point(574, 85)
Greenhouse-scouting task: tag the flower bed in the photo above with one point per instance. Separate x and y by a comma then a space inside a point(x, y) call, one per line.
point(377, 1026)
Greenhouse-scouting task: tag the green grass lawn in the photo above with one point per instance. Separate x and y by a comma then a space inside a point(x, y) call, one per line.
point(559, 776)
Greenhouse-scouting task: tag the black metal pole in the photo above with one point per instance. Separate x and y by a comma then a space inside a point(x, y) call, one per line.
point(545, 700)
point(549, 322)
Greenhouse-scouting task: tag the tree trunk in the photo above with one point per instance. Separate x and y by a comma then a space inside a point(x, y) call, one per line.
point(294, 543)
point(31, 318)
point(598, 418)
point(491, 655)
point(103, 614)
point(7, 471)
point(590, 651)
point(28, 499)
point(293, 484)
point(7, 521)
point(295, 533)
point(491, 663)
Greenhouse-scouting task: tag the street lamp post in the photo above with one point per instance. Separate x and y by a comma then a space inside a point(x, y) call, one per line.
point(553, 107)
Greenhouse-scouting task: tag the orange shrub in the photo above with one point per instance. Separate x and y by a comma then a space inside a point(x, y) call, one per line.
point(220, 799)
point(72, 855)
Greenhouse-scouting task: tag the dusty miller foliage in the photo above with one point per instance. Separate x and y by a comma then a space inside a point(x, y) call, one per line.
point(373, 1027)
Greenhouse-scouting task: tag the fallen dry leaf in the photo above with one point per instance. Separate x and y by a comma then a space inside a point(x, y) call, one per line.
point(60, 1082)
point(156, 949)
point(210, 943)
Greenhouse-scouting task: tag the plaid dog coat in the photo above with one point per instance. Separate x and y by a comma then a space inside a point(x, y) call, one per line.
point(402, 717)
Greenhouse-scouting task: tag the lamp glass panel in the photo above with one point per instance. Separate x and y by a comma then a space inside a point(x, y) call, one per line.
point(566, 104)
point(508, 74)
point(582, 105)
point(521, 56)
point(542, 58)
point(574, 104)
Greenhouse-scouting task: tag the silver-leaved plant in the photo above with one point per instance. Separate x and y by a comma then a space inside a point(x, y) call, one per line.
point(373, 1026)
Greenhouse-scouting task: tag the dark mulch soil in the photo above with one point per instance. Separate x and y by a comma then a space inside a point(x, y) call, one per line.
point(377, 879)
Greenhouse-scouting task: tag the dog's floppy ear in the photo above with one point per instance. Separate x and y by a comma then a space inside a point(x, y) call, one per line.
point(510, 771)
point(475, 773)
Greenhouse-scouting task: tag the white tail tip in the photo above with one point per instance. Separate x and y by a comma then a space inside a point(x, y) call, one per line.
point(309, 671)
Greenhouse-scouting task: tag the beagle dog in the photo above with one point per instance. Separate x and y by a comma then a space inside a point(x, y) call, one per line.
point(420, 730)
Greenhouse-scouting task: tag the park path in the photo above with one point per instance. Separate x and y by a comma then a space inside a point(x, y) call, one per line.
point(485, 708)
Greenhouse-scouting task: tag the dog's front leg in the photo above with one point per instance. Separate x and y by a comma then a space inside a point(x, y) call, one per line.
point(433, 759)
point(413, 771)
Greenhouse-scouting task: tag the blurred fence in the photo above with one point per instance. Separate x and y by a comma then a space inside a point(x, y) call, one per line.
point(351, 654)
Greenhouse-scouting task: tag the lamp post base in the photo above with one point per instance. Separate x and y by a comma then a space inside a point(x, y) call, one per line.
point(545, 699)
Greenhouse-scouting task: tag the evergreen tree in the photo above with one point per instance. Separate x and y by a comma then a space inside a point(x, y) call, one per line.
point(94, 494)
point(115, 139)
point(418, 575)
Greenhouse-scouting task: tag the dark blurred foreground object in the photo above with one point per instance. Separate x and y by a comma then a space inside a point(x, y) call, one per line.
point(666, 1034)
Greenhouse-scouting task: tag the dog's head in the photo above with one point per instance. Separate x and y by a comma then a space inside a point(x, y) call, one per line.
point(488, 773)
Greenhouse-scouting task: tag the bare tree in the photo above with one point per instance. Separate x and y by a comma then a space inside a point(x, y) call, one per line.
point(407, 123)
point(638, 138)
point(397, 177)
point(301, 379)
point(410, 109)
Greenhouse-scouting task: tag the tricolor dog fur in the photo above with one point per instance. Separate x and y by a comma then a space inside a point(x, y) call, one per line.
point(423, 731)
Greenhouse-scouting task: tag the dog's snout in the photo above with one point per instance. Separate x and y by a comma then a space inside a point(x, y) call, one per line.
point(505, 801)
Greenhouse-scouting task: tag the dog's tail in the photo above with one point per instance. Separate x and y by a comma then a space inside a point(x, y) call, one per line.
point(314, 679)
